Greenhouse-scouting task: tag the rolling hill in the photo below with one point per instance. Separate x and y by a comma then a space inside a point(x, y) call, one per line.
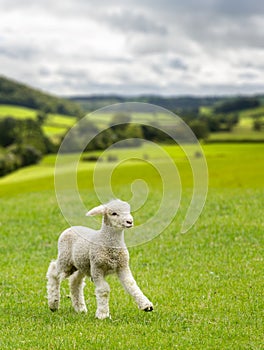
point(15, 93)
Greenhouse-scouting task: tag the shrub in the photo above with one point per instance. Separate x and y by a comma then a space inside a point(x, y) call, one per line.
point(27, 155)
point(199, 128)
point(91, 158)
point(17, 157)
point(112, 158)
point(257, 125)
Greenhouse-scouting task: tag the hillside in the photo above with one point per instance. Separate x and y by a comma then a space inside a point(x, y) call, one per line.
point(14, 93)
point(54, 125)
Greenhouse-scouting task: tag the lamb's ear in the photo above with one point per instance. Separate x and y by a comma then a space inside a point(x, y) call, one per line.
point(96, 211)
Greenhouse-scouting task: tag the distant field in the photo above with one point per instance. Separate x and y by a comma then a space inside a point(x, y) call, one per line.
point(104, 119)
point(17, 112)
point(206, 285)
point(230, 166)
point(243, 131)
point(55, 125)
point(238, 134)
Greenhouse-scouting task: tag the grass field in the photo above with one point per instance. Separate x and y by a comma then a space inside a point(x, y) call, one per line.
point(206, 285)
point(55, 125)
point(243, 131)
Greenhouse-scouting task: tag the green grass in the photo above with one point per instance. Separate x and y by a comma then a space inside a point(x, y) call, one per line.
point(206, 285)
point(243, 131)
point(238, 134)
point(17, 112)
point(55, 125)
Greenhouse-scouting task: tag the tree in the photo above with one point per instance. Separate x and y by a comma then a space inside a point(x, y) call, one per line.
point(133, 135)
point(154, 133)
point(26, 155)
point(199, 128)
point(41, 117)
point(9, 129)
point(257, 125)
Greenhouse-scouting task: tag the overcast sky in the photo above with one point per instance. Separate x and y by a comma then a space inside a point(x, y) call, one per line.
point(79, 47)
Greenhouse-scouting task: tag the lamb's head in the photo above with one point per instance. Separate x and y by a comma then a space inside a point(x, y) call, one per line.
point(116, 214)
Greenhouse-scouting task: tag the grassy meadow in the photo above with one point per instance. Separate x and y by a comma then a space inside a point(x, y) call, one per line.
point(206, 285)
point(54, 126)
point(243, 131)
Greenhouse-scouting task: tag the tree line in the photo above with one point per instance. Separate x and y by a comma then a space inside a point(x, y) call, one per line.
point(120, 132)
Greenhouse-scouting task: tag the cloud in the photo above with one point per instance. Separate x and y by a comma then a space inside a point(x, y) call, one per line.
point(178, 63)
point(147, 46)
point(18, 52)
point(237, 8)
point(131, 21)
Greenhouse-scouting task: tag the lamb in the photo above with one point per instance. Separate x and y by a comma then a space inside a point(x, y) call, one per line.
point(86, 252)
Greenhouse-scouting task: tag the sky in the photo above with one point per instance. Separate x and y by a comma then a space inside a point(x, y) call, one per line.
point(164, 47)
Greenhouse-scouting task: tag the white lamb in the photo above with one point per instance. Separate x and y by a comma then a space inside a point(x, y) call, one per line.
point(85, 252)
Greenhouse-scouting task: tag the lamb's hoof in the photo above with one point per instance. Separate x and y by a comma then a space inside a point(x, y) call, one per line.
point(53, 310)
point(81, 310)
point(53, 305)
point(102, 315)
point(148, 308)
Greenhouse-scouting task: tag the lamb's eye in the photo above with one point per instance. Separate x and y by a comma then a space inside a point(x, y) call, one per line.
point(114, 214)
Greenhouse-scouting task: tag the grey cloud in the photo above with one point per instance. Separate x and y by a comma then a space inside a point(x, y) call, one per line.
point(134, 21)
point(113, 59)
point(18, 52)
point(248, 75)
point(213, 24)
point(220, 33)
point(148, 45)
point(220, 7)
point(178, 63)
point(44, 71)
point(70, 73)
point(233, 89)
point(175, 64)
point(236, 8)
point(15, 5)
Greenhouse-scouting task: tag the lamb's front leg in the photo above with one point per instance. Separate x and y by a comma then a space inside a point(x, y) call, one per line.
point(132, 288)
point(102, 292)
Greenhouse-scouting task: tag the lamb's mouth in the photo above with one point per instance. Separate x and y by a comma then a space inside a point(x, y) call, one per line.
point(128, 225)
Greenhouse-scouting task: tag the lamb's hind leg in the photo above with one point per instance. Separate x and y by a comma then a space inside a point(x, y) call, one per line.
point(76, 286)
point(53, 286)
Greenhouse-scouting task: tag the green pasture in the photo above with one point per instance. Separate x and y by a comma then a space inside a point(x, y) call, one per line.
point(243, 131)
point(17, 112)
point(55, 125)
point(206, 285)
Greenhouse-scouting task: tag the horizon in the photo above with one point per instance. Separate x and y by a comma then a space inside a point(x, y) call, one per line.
point(120, 95)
